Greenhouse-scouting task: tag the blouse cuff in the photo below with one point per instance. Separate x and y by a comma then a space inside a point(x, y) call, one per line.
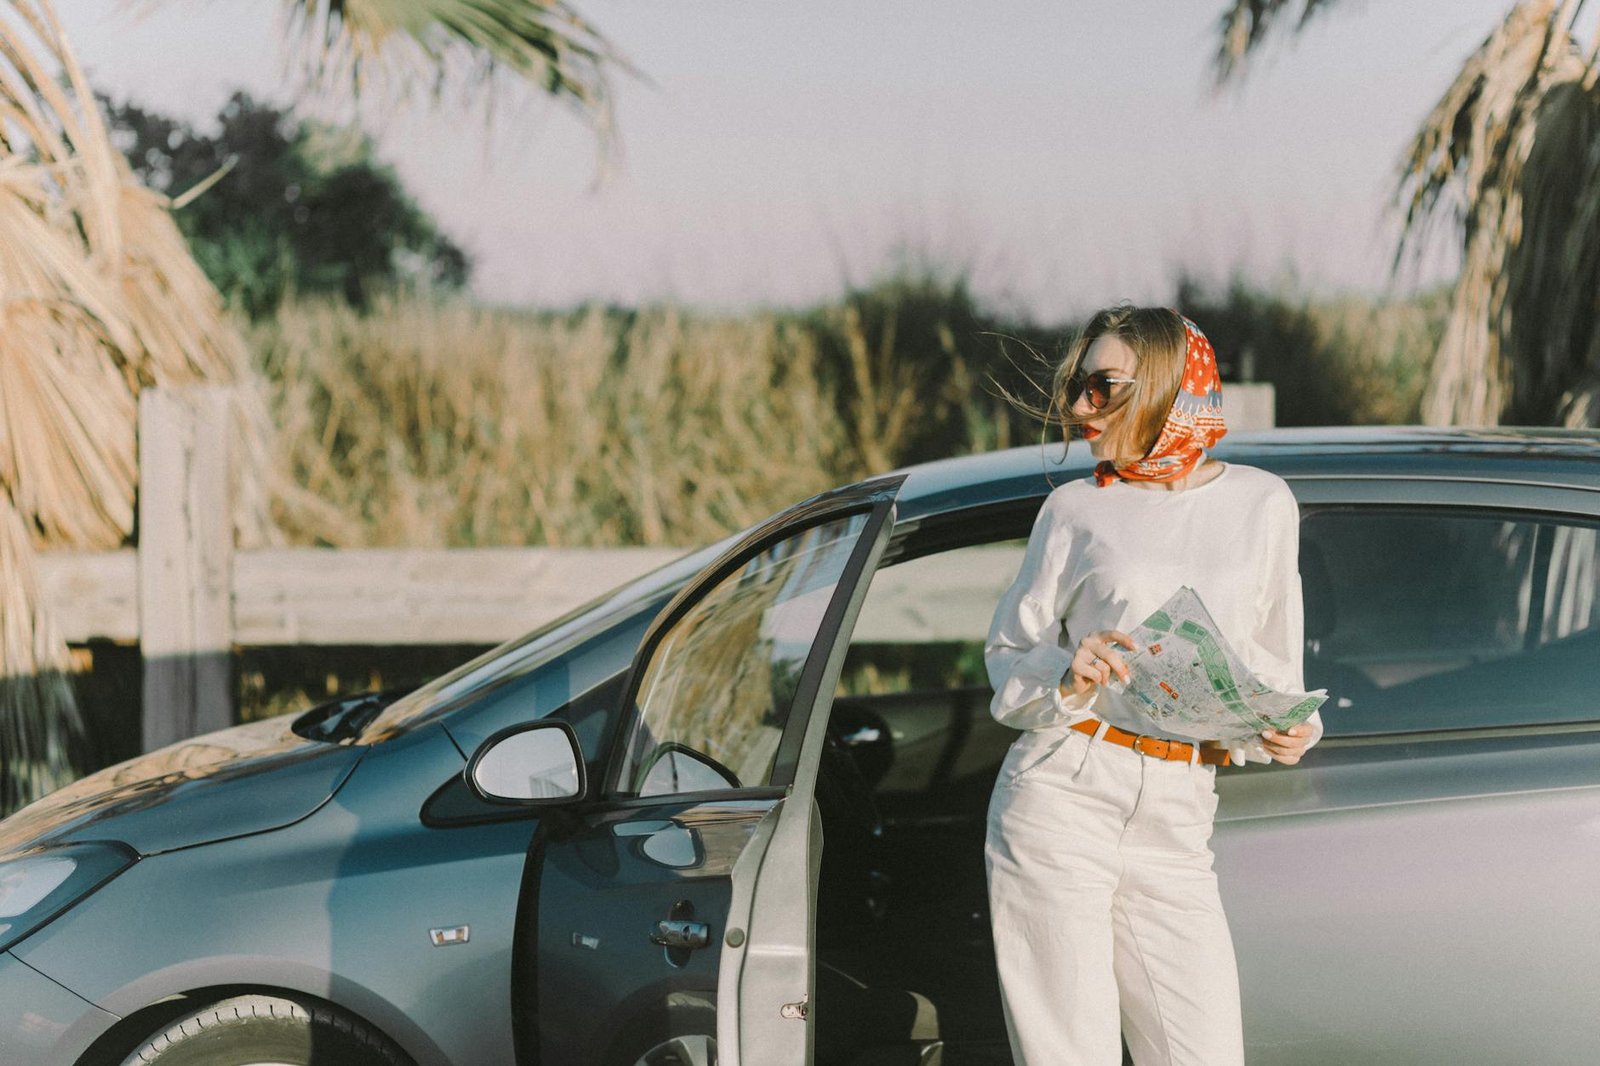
point(1031, 697)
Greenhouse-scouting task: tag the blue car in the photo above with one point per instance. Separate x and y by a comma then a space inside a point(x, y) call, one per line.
point(734, 811)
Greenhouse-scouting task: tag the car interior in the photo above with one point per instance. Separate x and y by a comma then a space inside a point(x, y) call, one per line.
point(905, 961)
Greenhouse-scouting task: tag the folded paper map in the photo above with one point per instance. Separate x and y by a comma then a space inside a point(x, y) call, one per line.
point(1190, 682)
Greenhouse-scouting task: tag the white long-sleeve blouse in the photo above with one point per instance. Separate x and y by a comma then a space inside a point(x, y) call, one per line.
point(1105, 558)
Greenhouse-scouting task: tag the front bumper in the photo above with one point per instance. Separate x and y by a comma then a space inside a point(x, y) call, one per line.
point(42, 1023)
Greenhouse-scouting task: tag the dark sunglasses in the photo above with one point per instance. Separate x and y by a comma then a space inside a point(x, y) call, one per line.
point(1096, 386)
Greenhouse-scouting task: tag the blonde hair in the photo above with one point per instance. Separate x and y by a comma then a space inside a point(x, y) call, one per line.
point(1159, 340)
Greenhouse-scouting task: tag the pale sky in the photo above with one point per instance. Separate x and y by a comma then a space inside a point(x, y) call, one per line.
point(1067, 154)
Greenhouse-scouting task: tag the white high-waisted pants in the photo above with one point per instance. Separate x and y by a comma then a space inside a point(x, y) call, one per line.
point(1105, 908)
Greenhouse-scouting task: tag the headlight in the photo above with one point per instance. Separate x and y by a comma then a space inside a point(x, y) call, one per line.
point(35, 886)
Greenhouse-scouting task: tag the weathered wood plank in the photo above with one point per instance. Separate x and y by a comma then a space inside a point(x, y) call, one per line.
point(185, 563)
point(317, 596)
point(1249, 406)
point(93, 595)
point(382, 596)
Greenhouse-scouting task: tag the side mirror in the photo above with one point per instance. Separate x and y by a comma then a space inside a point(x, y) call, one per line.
point(531, 765)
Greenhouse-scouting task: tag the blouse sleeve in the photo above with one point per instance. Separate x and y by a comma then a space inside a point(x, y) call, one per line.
point(1280, 634)
point(1023, 653)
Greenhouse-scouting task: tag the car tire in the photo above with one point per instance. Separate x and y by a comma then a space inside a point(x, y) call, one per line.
point(261, 1030)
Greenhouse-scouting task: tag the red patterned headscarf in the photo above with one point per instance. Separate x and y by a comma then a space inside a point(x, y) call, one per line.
point(1194, 422)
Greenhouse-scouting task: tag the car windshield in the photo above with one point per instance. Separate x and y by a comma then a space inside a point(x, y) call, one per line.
point(449, 690)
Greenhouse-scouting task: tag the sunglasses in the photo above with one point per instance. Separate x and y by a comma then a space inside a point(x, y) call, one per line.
point(1096, 386)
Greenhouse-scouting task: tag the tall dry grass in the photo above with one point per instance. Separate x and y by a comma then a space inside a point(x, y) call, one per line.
point(448, 424)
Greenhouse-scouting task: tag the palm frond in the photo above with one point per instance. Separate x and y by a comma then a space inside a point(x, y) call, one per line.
point(99, 298)
point(1245, 26)
point(1491, 149)
point(404, 44)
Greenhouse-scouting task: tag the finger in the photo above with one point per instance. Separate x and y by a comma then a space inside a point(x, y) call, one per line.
point(1110, 663)
point(1119, 637)
point(1093, 669)
point(1107, 653)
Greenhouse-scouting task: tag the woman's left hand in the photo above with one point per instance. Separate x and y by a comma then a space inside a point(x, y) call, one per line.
point(1287, 747)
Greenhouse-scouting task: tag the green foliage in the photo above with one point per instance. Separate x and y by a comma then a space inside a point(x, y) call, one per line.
point(1350, 361)
point(295, 207)
point(912, 363)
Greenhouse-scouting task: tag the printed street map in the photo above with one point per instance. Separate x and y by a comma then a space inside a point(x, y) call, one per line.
point(1191, 682)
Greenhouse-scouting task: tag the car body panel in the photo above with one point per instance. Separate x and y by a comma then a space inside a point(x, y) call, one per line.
point(1458, 930)
point(601, 891)
point(41, 1022)
point(234, 782)
point(1565, 459)
point(340, 908)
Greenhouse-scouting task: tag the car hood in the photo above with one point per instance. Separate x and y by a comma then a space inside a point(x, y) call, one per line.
point(231, 783)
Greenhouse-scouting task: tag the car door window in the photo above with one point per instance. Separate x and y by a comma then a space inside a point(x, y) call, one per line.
point(1450, 619)
point(717, 689)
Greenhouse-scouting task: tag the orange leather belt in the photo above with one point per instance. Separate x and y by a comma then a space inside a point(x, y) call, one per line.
point(1155, 747)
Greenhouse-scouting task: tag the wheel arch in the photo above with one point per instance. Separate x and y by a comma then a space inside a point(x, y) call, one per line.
point(138, 1025)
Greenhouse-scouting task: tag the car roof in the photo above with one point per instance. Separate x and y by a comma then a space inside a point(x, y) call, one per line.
point(1528, 455)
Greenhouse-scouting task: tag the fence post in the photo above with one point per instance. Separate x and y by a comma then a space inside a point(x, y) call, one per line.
point(185, 563)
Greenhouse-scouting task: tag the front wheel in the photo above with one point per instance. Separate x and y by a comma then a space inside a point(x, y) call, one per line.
point(267, 1031)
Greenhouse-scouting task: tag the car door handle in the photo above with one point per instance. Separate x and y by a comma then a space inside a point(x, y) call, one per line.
point(681, 934)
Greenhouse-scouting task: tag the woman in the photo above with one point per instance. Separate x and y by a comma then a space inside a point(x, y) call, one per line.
point(1104, 904)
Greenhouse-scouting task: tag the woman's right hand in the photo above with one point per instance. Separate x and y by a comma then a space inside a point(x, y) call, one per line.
point(1095, 660)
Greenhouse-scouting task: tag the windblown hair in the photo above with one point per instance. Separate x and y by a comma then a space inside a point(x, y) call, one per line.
point(1158, 339)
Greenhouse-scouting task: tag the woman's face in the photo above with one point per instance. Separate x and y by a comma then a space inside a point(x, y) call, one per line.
point(1107, 434)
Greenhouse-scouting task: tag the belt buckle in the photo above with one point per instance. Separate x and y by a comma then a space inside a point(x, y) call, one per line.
point(1158, 749)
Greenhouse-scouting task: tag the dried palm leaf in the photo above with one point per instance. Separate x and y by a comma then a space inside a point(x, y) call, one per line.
point(1474, 165)
point(1508, 161)
point(401, 45)
point(1245, 26)
point(99, 298)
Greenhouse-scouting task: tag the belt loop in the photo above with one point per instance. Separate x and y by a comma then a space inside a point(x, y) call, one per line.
point(1100, 729)
point(1194, 754)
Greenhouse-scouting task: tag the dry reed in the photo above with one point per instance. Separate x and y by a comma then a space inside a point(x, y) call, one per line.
point(447, 424)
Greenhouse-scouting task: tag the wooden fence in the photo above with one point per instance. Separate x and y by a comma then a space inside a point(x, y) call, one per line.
point(188, 598)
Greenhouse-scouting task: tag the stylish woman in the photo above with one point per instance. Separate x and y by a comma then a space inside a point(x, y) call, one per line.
point(1105, 906)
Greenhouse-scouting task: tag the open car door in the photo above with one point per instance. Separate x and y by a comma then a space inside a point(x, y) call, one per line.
point(675, 909)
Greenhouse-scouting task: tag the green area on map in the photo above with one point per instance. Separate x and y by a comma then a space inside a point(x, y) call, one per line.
point(1161, 622)
point(1215, 662)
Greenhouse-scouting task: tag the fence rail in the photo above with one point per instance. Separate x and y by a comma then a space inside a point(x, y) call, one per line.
point(377, 596)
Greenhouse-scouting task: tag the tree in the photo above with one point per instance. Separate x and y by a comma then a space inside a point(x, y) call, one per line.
point(286, 206)
point(100, 296)
point(1509, 161)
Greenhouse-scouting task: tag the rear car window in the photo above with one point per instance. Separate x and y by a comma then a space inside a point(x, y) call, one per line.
point(1445, 619)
